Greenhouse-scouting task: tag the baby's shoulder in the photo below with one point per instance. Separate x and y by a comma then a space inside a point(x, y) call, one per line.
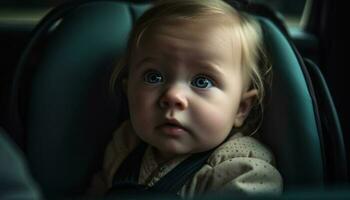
point(124, 140)
point(239, 146)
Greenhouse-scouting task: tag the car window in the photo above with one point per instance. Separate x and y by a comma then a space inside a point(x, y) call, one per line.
point(290, 11)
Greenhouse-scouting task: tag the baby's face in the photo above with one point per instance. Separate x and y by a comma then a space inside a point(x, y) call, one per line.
point(185, 86)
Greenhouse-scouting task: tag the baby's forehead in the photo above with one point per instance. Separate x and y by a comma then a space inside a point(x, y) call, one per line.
point(204, 21)
point(204, 28)
point(189, 40)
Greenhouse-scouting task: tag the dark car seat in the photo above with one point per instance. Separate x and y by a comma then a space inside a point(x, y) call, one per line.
point(16, 182)
point(63, 114)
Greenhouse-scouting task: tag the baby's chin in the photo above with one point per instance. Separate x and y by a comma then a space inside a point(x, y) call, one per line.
point(169, 151)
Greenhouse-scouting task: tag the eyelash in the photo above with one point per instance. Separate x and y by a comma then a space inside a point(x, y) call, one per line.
point(160, 79)
point(208, 80)
point(150, 73)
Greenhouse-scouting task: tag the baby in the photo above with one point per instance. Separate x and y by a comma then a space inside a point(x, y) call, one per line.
point(193, 73)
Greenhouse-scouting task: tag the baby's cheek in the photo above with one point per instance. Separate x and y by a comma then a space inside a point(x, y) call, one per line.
point(137, 111)
point(217, 125)
point(220, 122)
point(140, 101)
point(141, 113)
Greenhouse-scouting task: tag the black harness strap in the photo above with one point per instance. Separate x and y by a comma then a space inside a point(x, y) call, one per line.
point(125, 180)
point(176, 178)
point(130, 168)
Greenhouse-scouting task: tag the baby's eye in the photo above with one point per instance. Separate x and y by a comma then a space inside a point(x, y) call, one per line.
point(153, 77)
point(202, 82)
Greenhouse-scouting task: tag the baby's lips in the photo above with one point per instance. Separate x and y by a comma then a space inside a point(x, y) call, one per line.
point(172, 130)
point(174, 122)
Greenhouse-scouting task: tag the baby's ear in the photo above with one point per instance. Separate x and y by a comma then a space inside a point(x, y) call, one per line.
point(246, 104)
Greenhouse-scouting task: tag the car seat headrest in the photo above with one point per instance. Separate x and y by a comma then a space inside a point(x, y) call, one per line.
point(290, 126)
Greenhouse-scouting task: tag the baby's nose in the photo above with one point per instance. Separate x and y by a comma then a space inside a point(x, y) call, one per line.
point(174, 97)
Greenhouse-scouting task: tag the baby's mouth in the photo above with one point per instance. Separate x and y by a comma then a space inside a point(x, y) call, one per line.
point(170, 125)
point(172, 128)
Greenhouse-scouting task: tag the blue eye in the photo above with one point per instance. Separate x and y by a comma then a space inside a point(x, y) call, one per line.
point(153, 77)
point(202, 82)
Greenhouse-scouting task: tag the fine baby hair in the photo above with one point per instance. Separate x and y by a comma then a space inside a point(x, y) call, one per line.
point(254, 59)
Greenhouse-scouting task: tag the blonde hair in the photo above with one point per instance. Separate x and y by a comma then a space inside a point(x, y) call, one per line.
point(254, 61)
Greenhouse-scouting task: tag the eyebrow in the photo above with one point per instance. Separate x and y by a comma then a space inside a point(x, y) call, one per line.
point(207, 66)
point(212, 67)
point(145, 60)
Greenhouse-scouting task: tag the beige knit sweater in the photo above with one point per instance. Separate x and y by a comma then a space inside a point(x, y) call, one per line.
point(241, 164)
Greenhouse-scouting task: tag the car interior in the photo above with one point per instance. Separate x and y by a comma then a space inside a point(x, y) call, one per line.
point(59, 113)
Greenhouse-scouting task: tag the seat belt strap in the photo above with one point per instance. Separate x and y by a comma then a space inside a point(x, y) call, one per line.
point(173, 181)
point(126, 178)
point(129, 170)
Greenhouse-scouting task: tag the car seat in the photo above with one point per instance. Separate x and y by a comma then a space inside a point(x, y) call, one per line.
point(15, 179)
point(63, 114)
